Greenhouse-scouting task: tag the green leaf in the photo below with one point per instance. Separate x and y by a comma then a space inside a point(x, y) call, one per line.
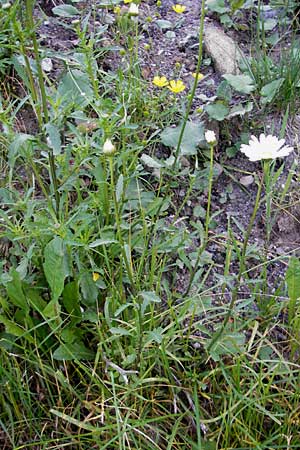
point(15, 291)
point(269, 91)
point(65, 11)
point(119, 188)
point(14, 329)
point(104, 241)
point(89, 289)
point(71, 299)
point(292, 279)
point(217, 6)
point(228, 344)
point(55, 266)
point(240, 110)
point(217, 111)
point(74, 88)
point(148, 298)
point(54, 140)
point(241, 83)
point(193, 135)
point(75, 350)
point(164, 24)
point(150, 162)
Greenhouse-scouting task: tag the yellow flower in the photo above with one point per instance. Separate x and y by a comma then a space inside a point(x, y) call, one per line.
point(117, 10)
point(176, 86)
point(179, 9)
point(127, 1)
point(96, 276)
point(160, 81)
point(199, 77)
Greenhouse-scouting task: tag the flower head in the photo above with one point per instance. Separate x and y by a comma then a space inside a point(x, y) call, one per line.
point(179, 9)
point(210, 137)
point(266, 147)
point(199, 76)
point(117, 10)
point(176, 86)
point(160, 81)
point(127, 1)
point(133, 9)
point(96, 276)
point(109, 148)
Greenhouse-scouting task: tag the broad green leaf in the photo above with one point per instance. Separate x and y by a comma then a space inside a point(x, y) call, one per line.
point(88, 288)
point(55, 266)
point(217, 6)
point(193, 135)
point(15, 291)
point(241, 83)
point(65, 11)
point(217, 111)
point(14, 329)
point(53, 138)
point(269, 91)
point(75, 350)
point(148, 298)
point(228, 344)
point(71, 299)
point(240, 109)
point(75, 88)
point(150, 162)
point(164, 24)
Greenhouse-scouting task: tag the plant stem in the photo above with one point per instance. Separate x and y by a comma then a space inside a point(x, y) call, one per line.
point(30, 23)
point(217, 336)
point(192, 94)
point(207, 221)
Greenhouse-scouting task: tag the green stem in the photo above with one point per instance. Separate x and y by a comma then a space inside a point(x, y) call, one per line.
point(31, 26)
point(217, 336)
point(192, 95)
point(207, 221)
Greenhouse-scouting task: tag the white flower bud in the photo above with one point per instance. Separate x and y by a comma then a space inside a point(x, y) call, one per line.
point(210, 137)
point(109, 148)
point(133, 9)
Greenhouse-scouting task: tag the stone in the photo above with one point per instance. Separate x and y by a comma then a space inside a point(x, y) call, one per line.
point(222, 49)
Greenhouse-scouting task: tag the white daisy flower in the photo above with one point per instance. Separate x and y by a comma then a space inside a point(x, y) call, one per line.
point(266, 147)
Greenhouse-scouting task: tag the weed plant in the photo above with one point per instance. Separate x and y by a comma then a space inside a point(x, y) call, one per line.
point(103, 344)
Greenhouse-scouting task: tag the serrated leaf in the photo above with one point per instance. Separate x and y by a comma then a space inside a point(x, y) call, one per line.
point(55, 266)
point(65, 11)
point(70, 352)
point(241, 83)
point(217, 111)
point(193, 135)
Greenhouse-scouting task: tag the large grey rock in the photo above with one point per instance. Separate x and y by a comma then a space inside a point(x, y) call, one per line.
point(222, 49)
